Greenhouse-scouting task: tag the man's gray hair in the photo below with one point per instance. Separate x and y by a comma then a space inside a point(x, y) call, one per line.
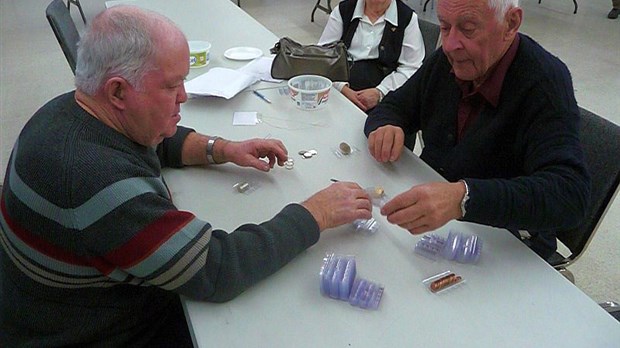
point(122, 43)
point(501, 7)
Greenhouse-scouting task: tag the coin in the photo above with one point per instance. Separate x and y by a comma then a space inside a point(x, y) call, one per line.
point(289, 164)
point(345, 148)
point(379, 191)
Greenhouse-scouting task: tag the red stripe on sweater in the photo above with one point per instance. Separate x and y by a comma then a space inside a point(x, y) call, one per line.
point(142, 245)
point(147, 241)
point(53, 251)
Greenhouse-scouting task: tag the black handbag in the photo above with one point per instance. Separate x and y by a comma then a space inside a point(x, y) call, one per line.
point(292, 59)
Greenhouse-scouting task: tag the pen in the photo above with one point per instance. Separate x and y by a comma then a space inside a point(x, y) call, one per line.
point(256, 93)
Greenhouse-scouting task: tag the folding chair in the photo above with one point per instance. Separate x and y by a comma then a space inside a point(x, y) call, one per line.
point(600, 139)
point(64, 29)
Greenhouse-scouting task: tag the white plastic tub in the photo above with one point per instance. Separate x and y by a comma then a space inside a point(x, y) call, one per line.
point(309, 92)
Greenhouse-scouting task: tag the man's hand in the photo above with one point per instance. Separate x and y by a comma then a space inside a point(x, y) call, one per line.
point(425, 207)
point(249, 153)
point(352, 95)
point(386, 143)
point(338, 204)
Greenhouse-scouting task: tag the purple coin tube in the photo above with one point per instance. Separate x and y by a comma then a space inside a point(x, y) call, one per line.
point(338, 281)
point(366, 294)
point(337, 276)
point(455, 247)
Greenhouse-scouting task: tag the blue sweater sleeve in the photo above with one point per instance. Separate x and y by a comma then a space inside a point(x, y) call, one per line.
point(169, 150)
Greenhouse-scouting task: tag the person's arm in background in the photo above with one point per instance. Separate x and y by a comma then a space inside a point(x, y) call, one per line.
point(333, 32)
point(410, 60)
point(333, 29)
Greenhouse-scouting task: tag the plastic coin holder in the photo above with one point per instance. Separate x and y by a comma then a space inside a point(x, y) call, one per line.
point(344, 150)
point(377, 195)
point(455, 247)
point(378, 198)
point(245, 187)
point(443, 281)
point(338, 281)
point(368, 226)
point(366, 294)
point(430, 245)
point(337, 276)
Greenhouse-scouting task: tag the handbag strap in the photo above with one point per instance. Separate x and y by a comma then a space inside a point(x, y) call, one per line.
point(349, 26)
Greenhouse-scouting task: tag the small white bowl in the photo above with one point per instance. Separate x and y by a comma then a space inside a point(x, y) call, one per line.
point(198, 53)
point(309, 92)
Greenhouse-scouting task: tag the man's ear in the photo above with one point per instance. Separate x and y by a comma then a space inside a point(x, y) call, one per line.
point(115, 90)
point(514, 16)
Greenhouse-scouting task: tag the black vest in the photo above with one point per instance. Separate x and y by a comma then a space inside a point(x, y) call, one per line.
point(369, 73)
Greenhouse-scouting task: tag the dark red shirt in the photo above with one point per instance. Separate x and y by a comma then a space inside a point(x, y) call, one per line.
point(473, 99)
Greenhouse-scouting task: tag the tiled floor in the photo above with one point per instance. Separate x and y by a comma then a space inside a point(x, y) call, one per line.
point(33, 70)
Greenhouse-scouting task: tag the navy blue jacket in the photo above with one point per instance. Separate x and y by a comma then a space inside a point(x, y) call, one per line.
point(522, 160)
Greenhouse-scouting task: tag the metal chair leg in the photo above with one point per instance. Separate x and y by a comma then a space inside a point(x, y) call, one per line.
point(567, 274)
point(610, 306)
point(79, 6)
point(426, 3)
point(574, 2)
point(318, 5)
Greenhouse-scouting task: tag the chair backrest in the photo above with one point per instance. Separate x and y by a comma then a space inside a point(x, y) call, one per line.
point(600, 139)
point(64, 28)
point(430, 35)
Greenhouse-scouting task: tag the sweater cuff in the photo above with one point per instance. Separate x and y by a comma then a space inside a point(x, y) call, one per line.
point(305, 222)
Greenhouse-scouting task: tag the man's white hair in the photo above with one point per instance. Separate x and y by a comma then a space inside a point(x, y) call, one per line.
point(501, 7)
point(119, 43)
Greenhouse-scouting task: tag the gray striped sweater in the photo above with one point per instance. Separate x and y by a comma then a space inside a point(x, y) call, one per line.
point(94, 252)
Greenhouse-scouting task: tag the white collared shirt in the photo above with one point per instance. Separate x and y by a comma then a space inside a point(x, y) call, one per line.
point(366, 40)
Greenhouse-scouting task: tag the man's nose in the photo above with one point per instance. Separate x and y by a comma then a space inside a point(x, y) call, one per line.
point(451, 41)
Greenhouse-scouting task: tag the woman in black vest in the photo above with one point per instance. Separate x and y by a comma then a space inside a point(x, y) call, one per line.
point(385, 42)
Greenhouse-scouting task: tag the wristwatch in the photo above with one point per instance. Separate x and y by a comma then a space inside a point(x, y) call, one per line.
point(465, 199)
point(210, 144)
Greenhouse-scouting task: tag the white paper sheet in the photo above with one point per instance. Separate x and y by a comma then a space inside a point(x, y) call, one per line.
point(260, 68)
point(220, 82)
